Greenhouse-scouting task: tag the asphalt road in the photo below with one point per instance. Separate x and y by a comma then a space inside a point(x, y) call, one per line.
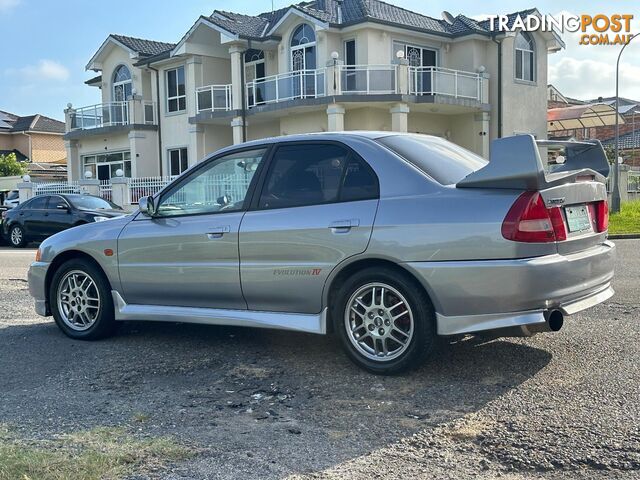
point(267, 404)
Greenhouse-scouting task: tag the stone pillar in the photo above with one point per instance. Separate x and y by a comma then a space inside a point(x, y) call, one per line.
point(333, 77)
point(90, 186)
point(624, 182)
point(236, 126)
point(196, 144)
point(136, 110)
point(120, 192)
point(335, 117)
point(236, 52)
point(25, 190)
point(73, 159)
point(399, 117)
point(484, 87)
point(69, 117)
point(403, 81)
point(481, 133)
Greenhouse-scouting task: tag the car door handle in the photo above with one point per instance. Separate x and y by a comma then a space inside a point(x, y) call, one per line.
point(341, 226)
point(217, 232)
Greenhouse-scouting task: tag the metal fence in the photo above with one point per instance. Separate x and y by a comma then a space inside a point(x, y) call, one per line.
point(286, 86)
point(368, 79)
point(145, 186)
point(445, 81)
point(48, 188)
point(106, 189)
point(213, 98)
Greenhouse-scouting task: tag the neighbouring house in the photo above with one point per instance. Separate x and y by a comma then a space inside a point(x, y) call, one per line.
point(35, 139)
point(322, 65)
point(595, 118)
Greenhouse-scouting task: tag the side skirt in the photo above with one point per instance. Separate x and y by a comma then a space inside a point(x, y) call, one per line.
point(300, 322)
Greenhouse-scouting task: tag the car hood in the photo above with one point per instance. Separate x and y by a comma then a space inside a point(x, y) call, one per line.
point(105, 213)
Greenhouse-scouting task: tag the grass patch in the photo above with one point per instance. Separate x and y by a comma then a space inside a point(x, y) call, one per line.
point(628, 220)
point(101, 453)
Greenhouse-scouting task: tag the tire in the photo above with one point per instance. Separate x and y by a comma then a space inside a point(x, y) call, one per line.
point(74, 288)
point(405, 350)
point(17, 238)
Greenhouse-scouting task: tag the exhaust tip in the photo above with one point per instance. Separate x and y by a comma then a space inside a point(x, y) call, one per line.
point(555, 320)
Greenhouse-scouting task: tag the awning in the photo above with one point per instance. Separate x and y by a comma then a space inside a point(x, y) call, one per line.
point(581, 116)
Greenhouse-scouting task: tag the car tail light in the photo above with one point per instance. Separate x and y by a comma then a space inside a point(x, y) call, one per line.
point(529, 220)
point(602, 216)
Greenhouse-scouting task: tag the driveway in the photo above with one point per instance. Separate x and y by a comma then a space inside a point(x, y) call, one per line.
point(268, 404)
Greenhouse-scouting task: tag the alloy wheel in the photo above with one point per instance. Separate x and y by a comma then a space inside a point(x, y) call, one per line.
point(16, 236)
point(379, 322)
point(78, 300)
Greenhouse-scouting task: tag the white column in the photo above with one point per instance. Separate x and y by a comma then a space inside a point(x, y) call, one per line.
point(335, 117)
point(402, 76)
point(236, 126)
point(484, 87)
point(236, 52)
point(196, 144)
point(25, 190)
point(90, 186)
point(120, 192)
point(399, 117)
point(73, 160)
point(69, 115)
point(333, 78)
point(193, 81)
point(481, 133)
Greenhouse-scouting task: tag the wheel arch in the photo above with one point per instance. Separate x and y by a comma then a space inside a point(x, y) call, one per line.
point(65, 256)
point(344, 271)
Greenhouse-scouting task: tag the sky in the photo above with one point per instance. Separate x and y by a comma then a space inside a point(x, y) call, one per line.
point(45, 44)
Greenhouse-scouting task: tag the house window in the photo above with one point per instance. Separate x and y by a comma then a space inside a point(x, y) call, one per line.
point(178, 161)
point(176, 90)
point(525, 57)
point(255, 72)
point(105, 165)
point(121, 84)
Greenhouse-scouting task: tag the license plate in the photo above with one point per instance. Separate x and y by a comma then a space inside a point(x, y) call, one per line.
point(578, 218)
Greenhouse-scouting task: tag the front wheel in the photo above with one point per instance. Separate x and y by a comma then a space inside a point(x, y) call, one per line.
point(385, 321)
point(80, 300)
point(17, 237)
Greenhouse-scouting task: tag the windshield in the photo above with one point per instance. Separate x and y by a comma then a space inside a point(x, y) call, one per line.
point(445, 162)
point(87, 202)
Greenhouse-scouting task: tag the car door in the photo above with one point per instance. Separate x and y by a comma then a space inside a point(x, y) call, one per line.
point(58, 216)
point(316, 208)
point(34, 219)
point(187, 253)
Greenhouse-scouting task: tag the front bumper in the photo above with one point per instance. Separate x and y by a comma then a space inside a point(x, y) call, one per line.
point(472, 296)
point(37, 287)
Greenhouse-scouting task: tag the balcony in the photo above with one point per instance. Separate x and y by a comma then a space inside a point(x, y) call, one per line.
point(286, 86)
point(111, 114)
point(213, 98)
point(368, 79)
point(445, 81)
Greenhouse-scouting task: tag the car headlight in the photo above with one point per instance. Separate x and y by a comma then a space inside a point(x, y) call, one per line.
point(100, 219)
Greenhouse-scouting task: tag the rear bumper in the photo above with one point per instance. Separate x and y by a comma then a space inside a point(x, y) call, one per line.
point(471, 296)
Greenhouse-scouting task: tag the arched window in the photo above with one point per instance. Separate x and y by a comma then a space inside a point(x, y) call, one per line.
point(303, 48)
point(525, 57)
point(121, 84)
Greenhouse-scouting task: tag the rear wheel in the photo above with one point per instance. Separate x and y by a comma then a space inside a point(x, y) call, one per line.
point(384, 320)
point(80, 300)
point(17, 237)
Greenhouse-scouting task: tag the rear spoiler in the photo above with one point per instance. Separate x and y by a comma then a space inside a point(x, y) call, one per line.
point(515, 163)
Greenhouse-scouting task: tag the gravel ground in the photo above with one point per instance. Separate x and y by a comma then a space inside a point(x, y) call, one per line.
point(268, 404)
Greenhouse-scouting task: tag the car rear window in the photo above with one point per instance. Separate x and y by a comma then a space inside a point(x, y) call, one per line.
point(445, 162)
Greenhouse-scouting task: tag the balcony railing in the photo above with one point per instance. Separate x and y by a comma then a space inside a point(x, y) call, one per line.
point(213, 98)
point(286, 86)
point(112, 114)
point(368, 79)
point(444, 81)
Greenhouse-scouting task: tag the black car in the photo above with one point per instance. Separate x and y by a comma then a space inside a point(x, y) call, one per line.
point(44, 215)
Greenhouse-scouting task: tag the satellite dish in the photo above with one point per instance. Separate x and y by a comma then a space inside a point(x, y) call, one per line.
point(448, 17)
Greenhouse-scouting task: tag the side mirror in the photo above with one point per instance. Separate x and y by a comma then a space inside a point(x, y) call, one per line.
point(62, 207)
point(147, 206)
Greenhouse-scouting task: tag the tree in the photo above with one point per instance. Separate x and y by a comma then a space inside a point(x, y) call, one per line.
point(10, 166)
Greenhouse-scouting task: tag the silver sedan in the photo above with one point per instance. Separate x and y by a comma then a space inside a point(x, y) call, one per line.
point(387, 240)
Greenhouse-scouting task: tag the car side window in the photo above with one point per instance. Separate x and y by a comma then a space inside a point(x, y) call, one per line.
point(313, 174)
point(55, 202)
point(220, 186)
point(38, 203)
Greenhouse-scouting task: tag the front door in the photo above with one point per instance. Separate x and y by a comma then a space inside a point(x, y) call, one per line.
point(316, 208)
point(187, 254)
point(59, 216)
point(424, 76)
point(303, 63)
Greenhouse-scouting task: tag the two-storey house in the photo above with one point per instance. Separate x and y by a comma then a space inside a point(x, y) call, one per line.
point(322, 65)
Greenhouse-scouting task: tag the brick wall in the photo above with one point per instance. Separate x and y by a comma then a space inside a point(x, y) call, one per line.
point(47, 148)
